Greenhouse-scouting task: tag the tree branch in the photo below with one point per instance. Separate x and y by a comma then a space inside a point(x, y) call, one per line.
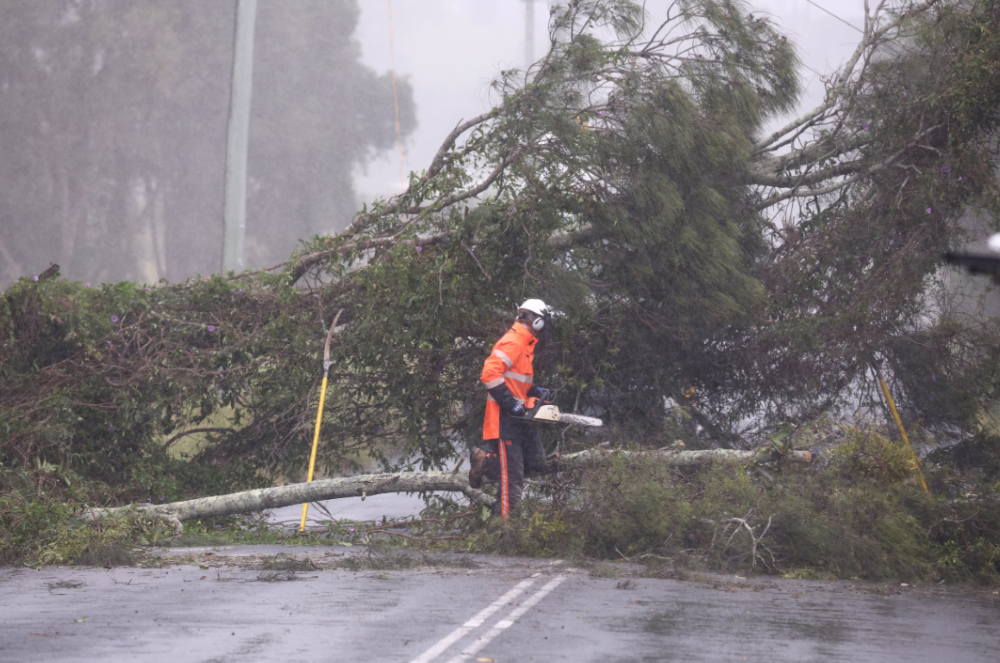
point(810, 153)
point(194, 430)
point(488, 277)
point(436, 165)
point(805, 179)
point(262, 499)
point(438, 162)
point(837, 88)
point(682, 458)
point(568, 240)
point(464, 195)
point(305, 263)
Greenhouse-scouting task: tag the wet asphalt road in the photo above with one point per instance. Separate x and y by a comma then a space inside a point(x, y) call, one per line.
point(501, 610)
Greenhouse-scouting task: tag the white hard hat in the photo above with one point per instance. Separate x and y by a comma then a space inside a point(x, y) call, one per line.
point(536, 306)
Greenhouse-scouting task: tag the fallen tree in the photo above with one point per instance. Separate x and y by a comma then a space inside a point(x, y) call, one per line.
point(261, 499)
point(858, 514)
point(628, 184)
point(678, 458)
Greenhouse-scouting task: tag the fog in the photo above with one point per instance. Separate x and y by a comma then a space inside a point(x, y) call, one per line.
point(114, 113)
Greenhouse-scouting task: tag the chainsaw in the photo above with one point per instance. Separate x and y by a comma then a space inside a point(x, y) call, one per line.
point(544, 412)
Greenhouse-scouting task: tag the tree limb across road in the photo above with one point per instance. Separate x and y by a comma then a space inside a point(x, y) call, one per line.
point(261, 499)
point(683, 458)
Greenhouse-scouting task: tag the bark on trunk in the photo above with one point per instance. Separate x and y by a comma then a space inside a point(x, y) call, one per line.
point(251, 501)
point(261, 499)
point(679, 458)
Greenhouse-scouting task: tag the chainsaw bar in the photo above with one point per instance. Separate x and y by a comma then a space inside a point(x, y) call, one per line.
point(549, 414)
point(579, 419)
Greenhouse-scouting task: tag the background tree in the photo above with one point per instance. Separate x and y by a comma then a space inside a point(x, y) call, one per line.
point(114, 133)
point(630, 183)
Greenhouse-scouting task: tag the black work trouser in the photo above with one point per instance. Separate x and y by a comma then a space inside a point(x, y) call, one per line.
point(507, 462)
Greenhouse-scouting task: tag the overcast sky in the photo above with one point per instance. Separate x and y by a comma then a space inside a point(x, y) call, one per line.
point(450, 50)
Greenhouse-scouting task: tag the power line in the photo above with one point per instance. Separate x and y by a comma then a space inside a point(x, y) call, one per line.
point(823, 9)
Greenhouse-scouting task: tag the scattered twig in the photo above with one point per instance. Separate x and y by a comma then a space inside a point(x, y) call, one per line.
point(464, 246)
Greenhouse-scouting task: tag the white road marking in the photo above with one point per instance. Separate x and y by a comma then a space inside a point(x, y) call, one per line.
point(482, 616)
point(508, 621)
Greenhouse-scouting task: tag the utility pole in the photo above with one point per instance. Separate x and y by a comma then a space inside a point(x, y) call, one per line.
point(529, 34)
point(238, 138)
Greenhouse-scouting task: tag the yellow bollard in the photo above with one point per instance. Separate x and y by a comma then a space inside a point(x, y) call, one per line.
point(319, 414)
point(902, 431)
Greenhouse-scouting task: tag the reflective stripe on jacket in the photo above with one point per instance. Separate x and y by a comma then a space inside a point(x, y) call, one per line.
point(509, 364)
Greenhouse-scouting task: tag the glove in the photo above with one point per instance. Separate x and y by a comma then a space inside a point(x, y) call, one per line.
point(517, 410)
point(543, 393)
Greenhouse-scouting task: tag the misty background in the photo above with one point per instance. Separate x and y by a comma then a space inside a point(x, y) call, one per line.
point(113, 117)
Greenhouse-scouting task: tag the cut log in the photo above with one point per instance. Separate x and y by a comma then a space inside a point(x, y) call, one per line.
point(261, 499)
point(679, 458)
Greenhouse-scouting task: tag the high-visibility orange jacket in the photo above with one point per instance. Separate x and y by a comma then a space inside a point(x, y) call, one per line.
point(509, 364)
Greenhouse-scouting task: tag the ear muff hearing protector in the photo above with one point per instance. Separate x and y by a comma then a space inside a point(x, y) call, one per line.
point(538, 324)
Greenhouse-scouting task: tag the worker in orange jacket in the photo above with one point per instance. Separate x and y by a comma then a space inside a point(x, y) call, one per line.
point(512, 445)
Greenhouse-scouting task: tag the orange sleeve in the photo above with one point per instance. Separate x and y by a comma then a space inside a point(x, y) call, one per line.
point(493, 370)
point(500, 360)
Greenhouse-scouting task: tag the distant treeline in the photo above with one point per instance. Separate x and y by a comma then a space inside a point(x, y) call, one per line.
point(114, 133)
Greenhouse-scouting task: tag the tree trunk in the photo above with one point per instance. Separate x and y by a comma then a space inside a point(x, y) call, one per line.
point(251, 501)
point(677, 458)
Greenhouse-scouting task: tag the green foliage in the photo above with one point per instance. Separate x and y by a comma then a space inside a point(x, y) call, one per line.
point(868, 453)
point(40, 521)
point(856, 516)
point(856, 272)
point(97, 378)
point(629, 510)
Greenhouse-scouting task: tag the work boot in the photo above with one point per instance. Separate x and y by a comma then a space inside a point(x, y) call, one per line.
point(478, 469)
